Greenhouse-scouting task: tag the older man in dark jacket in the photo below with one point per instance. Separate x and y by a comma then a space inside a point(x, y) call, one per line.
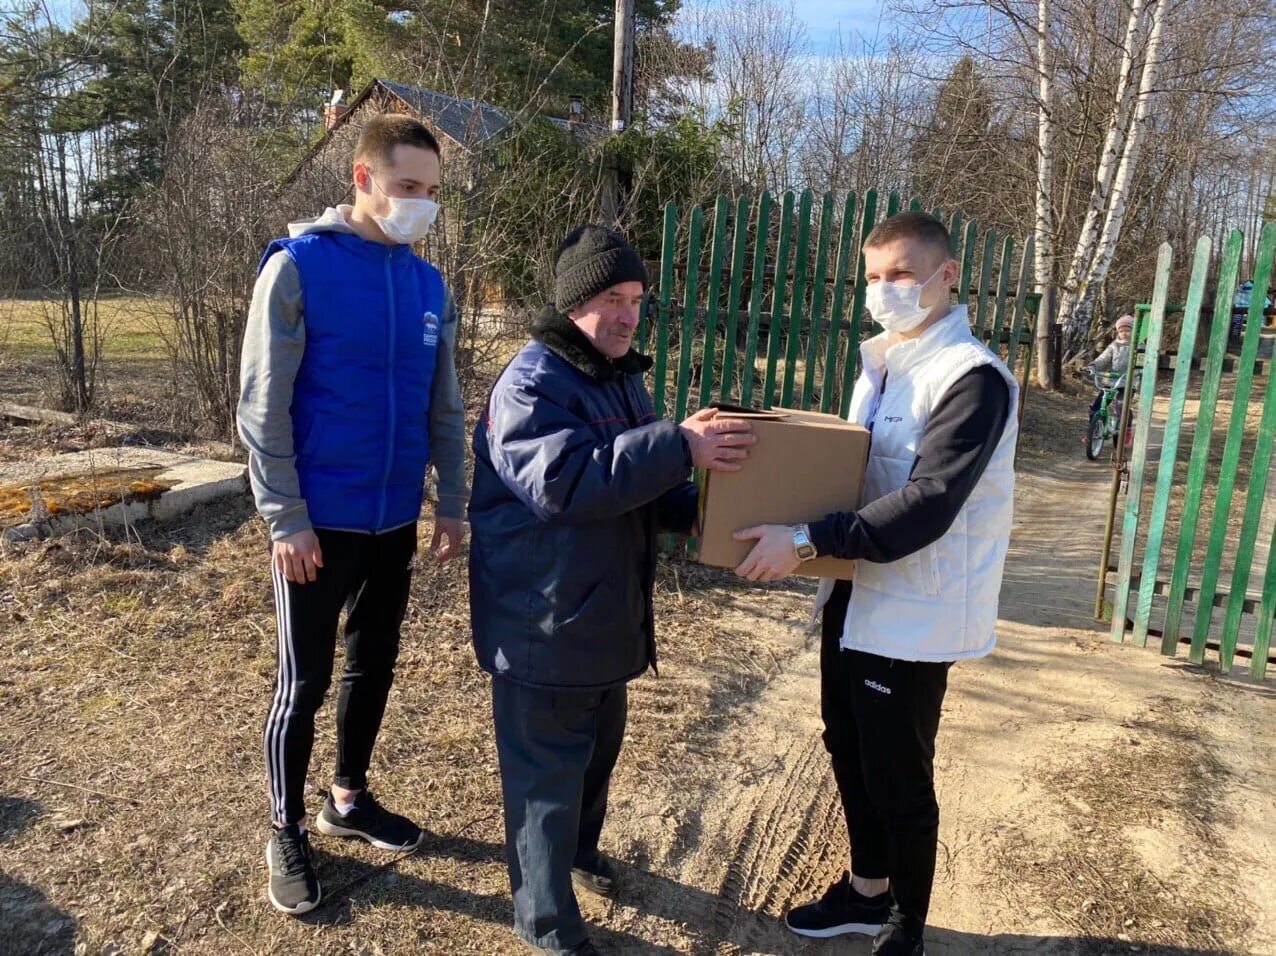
point(574, 477)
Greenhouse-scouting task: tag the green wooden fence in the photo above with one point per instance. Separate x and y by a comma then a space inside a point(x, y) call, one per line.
point(1184, 531)
point(762, 303)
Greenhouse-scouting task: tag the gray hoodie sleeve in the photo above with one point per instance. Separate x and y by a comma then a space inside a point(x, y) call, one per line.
point(447, 422)
point(1104, 362)
point(274, 340)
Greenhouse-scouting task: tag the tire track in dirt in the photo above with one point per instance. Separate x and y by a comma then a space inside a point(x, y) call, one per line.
point(789, 841)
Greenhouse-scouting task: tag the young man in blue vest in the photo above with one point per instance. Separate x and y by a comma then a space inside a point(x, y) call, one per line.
point(930, 544)
point(348, 393)
point(573, 476)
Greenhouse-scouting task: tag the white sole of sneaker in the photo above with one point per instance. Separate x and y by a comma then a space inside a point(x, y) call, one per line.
point(328, 828)
point(844, 929)
point(293, 910)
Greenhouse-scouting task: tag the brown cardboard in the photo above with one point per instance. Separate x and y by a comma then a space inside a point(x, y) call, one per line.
point(804, 466)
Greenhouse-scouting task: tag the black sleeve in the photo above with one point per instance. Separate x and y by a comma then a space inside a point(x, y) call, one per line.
point(678, 509)
point(956, 445)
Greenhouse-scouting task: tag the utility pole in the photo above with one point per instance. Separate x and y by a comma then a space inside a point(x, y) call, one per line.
point(616, 186)
point(622, 84)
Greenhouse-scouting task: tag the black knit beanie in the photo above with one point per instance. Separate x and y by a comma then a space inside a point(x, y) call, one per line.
point(591, 260)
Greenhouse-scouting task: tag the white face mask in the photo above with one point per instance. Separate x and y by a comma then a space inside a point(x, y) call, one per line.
point(897, 307)
point(409, 220)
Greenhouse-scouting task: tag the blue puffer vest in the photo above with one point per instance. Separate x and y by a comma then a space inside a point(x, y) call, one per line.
point(361, 399)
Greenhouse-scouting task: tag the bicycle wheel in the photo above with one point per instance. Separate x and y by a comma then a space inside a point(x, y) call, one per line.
point(1096, 436)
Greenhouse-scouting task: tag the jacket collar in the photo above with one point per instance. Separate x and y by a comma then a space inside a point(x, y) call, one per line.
point(889, 351)
point(561, 336)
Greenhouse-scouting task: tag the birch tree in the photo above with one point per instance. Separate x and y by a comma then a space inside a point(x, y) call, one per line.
point(1044, 223)
point(1109, 198)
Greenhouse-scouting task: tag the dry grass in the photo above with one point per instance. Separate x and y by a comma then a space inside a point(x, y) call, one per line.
point(135, 378)
point(129, 326)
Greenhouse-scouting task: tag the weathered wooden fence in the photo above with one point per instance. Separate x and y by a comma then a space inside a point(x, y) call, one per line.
point(1184, 529)
point(775, 316)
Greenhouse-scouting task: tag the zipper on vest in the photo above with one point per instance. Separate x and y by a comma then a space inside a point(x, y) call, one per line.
point(389, 389)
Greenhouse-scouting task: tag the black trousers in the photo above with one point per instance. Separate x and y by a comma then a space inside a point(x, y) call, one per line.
point(369, 575)
point(880, 721)
point(557, 749)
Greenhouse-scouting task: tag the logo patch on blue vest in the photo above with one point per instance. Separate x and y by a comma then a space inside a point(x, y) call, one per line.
point(431, 323)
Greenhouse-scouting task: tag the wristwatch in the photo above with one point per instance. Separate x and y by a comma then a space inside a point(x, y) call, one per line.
point(802, 543)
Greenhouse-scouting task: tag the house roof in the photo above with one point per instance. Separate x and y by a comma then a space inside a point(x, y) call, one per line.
point(466, 121)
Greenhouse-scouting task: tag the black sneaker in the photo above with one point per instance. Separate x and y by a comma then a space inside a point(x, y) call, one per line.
point(896, 939)
point(839, 911)
point(369, 821)
point(293, 887)
point(598, 877)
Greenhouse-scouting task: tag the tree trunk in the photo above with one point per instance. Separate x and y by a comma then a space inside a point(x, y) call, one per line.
point(1079, 319)
point(1100, 193)
point(78, 379)
point(1043, 267)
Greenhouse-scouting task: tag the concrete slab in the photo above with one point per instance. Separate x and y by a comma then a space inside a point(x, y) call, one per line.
point(29, 413)
point(190, 482)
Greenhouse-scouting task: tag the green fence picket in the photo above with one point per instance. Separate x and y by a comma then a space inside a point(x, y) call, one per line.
point(817, 299)
point(1256, 497)
point(761, 240)
point(776, 326)
point(954, 234)
point(1154, 323)
point(850, 368)
point(967, 264)
point(798, 306)
point(1021, 304)
point(915, 204)
point(846, 236)
point(892, 205)
point(644, 324)
point(717, 254)
point(1212, 565)
point(1267, 607)
point(1003, 292)
point(1204, 435)
point(668, 252)
point(1170, 444)
point(690, 293)
point(985, 282)
point(741, 242)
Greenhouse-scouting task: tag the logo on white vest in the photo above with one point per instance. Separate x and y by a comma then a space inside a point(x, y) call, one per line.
point(431, 323)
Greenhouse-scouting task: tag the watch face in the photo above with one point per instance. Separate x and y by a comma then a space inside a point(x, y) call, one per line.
point(806, 552)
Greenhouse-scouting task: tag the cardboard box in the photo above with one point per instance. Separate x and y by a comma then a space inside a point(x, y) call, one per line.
point(804, 466)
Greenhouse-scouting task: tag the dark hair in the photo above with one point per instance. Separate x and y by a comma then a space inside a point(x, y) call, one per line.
point(384, 131)
point(916, 226)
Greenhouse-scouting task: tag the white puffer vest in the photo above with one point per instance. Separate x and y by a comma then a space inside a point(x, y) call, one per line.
point(940, 603)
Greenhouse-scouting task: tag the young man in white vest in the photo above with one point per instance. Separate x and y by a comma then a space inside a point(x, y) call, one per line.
point(930, 542)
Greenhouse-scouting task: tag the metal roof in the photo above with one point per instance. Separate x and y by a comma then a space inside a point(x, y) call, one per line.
point(468, 122)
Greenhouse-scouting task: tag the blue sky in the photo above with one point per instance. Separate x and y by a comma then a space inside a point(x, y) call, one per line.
point(824, 17)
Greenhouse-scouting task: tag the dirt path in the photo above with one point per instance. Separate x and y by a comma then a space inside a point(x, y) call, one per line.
point(1095, 798)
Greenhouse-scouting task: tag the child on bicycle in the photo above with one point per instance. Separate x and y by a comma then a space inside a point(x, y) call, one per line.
point(1116, 357)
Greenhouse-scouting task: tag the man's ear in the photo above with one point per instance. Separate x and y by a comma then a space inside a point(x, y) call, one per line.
point(362, 177)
